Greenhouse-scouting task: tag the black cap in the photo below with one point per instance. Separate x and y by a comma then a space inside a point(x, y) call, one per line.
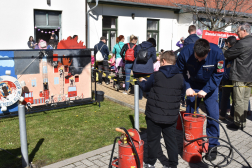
point(103, 38)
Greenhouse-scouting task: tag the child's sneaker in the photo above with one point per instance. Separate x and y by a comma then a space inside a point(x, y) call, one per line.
point(148, 166)
point(125, 92)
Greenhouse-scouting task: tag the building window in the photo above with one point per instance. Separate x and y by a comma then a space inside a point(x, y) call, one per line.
point(66, 80)
point(109, 30)
point(208, 22)
point(153, 30)
point(44, 59)
point(44, 69)
point(66, 68)
point(45, 23)
point(56, 80)
point(33, 83)
point(28, 94)
point(56, 70)
point(45, 80)
point(235, 26)
point(76, 78)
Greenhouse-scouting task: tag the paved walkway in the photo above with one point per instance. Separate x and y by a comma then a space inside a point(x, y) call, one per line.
point(242, 140)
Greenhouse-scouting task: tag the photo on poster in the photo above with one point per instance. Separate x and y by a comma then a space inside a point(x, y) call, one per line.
point(221, 43)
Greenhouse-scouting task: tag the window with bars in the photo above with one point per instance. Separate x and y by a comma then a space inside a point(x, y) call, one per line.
point(153, 30)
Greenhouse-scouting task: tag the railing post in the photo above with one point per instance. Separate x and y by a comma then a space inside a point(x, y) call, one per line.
point(136, 97)
point(23, 136)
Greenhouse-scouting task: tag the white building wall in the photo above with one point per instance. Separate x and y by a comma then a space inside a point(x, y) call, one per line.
point(184, 21)
point(17, 20)
point(138, 26)
point(127, 26)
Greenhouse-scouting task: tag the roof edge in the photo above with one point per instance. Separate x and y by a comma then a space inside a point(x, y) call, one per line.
point(134, 3)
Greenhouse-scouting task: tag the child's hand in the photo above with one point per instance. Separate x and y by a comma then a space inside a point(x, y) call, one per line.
point(142, 79)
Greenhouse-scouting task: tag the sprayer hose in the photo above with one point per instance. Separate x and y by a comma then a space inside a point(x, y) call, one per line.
point(230, 147)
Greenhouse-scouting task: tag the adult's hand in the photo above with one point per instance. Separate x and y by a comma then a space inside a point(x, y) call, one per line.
point(190, 92)
point(202, 94)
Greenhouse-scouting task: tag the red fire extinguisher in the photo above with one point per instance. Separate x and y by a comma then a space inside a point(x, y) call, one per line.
point(193, 126)
point(193, 129)
point(130, 151)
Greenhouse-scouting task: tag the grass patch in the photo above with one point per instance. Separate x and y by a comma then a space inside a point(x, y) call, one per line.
point(60, 134)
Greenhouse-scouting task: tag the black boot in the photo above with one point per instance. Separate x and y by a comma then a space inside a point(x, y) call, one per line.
point(213, 154)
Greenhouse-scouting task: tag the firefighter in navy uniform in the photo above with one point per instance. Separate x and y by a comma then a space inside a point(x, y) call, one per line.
point(202, 65)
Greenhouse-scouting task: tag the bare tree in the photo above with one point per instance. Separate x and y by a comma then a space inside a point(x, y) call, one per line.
point(215, 11)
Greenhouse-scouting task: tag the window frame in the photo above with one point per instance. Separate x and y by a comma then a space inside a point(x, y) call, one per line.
point(153, 31)
point(34, 83)
point(56, 80)
point(208, 21)
point(110, 29)
point(47, 21)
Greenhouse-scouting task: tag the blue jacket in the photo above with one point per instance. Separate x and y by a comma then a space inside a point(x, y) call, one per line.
point(191, 39)
point(168, 70)
point(205, 75)
point(104, 50)
point(148, 67)
point(117, 49)
point(227, 70)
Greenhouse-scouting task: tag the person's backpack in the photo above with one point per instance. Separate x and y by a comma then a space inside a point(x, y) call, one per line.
point(129, 54)
point(142, 55)
point(99, 56)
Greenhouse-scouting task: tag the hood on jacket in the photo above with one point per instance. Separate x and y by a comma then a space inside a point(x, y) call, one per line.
point(146, 44)
point(169, 70)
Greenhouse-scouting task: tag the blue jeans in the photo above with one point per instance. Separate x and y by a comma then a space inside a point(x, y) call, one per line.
point(128, 68)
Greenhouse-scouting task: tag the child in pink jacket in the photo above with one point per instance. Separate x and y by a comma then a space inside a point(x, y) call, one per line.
point(156, 65)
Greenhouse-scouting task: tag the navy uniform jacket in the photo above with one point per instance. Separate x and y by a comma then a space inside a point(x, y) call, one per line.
point(205, 75)
point(191, 39)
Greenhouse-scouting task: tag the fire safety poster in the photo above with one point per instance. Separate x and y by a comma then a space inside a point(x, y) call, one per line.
point(216, 37)
point(51, 77)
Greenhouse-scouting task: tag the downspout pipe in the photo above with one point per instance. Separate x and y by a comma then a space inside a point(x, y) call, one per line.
point(88, 24)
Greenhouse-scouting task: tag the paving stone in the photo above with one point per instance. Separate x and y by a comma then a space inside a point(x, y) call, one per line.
point(78, 163)
point(105, 159)
point(104, 154)
point(81, 166)
point(99, 163)
point(87, 162)
point(94, 157)
point(94, 166)
point(69, 166)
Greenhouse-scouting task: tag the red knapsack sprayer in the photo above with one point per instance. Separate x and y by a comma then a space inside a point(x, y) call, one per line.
point(130, 151)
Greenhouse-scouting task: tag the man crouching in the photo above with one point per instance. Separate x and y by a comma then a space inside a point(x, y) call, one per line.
point(162, 108)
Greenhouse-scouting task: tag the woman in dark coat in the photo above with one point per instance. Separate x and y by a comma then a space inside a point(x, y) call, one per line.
point(145, 69)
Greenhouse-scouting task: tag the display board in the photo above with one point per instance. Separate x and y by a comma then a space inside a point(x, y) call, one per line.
point(216, 37)
point(51, 77)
